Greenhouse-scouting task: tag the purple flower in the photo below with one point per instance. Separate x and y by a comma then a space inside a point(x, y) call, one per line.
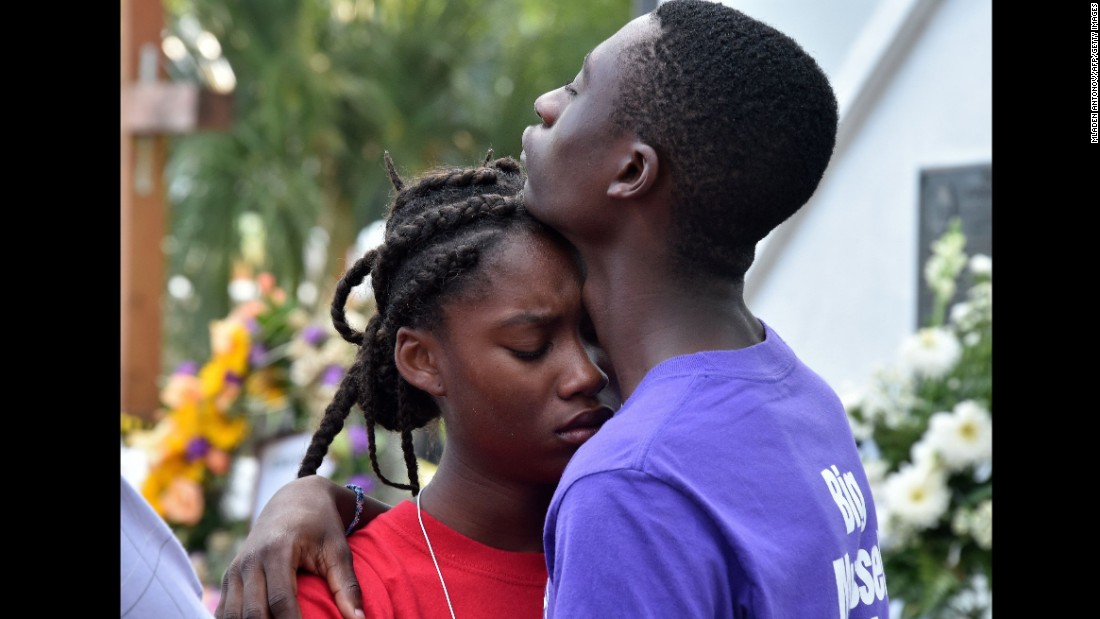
point(232, 377)
point(253, 326)
point(313, 335)
point(364, 482)
point(332, 375)
point(197, 448)
point(190, 368)
point(257, 354)
point(357, 438)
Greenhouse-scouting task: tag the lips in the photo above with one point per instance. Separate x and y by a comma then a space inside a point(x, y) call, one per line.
point(523, 145)
point(584, 425)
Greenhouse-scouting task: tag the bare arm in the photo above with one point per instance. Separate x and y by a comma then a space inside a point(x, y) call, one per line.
point(301, 527)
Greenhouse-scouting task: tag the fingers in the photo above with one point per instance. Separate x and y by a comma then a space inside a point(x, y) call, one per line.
point(230, 596)
point(281, 590)
point(251, 591)
point(244, 590)
point(335, 566)
point(300, 528)
point(350, 601)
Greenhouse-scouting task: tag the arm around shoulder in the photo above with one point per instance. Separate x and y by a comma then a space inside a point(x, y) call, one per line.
point(303, 526)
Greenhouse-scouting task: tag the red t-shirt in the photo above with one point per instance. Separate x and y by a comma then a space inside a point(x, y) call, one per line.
point(399, 580)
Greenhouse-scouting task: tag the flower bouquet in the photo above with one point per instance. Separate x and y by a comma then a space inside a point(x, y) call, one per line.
point(216, 412)
point(925, 429)
point(272, 371)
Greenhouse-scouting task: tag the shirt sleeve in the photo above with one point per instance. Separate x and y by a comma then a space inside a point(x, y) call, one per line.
point(625, 544)
point(157, 578)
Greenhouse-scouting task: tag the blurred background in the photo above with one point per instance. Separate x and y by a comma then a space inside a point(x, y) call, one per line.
point(252, 135)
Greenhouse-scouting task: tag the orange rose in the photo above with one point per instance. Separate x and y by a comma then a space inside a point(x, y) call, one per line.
point(217, 460)
point(266, 282)
point(182, 502)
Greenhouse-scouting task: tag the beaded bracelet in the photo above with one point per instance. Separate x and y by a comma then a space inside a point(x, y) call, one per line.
point(359, 499)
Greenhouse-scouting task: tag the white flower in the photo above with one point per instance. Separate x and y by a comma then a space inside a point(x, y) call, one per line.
point(861, 431)
point(931, 352)
point(304, 370)
point(981, 524)
point(962, 437)
point(974, 601)
point(336, 351)
point(981, 300)
point(889, 398)
point(945, 263)
point(961, 313)
point(243, 289)
point(981, 265)
point(924, 452)
point(876, 474)
point(916, 495)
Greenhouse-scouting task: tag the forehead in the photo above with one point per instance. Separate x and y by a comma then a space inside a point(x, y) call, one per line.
point(635, 31)
point(525, 268)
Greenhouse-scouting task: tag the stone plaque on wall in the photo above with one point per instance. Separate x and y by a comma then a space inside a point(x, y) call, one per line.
point(965, 192)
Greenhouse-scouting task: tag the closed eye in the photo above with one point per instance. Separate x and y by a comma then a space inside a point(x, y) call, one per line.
point(570, 89)
point(530, 355)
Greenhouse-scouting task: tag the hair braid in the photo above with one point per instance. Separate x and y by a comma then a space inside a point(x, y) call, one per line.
point(355, 276)
point(332, 421)
point(408, 236)
point(437, 229)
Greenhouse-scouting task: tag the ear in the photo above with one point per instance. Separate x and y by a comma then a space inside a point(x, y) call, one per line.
point(416, 355)
point(637, 172)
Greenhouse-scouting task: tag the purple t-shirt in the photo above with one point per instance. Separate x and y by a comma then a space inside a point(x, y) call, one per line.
point(728, 485)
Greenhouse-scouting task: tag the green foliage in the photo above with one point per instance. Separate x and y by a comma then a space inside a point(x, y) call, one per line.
point(322, 88)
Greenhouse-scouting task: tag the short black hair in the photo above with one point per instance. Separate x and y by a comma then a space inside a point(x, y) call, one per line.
point(744, 120)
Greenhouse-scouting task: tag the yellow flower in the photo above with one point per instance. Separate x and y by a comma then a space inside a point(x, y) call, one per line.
point(181, 388)
point(229, 393)
point(212, 378)
point(222, 431)
point(133, 423)
point(229, 342)
point(164, 473)
point(264, 385)
point(184, 424)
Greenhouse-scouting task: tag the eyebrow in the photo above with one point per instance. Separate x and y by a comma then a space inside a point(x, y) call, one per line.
point(528, 318)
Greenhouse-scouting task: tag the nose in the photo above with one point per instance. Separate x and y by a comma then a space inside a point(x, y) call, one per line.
point(549, 105)
point(582, 376)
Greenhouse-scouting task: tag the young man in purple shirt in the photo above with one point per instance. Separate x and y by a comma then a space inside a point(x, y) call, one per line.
point(728, 484)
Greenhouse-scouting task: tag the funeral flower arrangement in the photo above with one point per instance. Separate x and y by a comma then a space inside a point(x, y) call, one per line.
point(925, 429)
point(272, 370)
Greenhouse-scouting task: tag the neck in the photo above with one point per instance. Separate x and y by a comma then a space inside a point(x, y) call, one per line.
point(629, 295)
point(502, 514)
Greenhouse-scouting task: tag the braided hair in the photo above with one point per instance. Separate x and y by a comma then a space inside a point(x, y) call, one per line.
point(437, 229)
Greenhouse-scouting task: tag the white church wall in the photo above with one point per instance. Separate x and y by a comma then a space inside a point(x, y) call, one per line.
point(839, 282)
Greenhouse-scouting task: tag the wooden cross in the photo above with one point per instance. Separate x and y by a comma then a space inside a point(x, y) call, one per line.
point(150, 110)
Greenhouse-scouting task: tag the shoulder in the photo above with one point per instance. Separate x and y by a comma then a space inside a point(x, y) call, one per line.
point(317, 602)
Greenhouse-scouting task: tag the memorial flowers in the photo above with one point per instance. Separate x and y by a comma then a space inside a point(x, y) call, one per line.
point(273, 369)
point(924, 425)
point(211, 414)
